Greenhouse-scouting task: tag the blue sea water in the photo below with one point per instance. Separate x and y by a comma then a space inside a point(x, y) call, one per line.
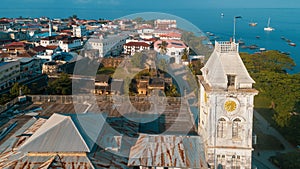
point(286, 22)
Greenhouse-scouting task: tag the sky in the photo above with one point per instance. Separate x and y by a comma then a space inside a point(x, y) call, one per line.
point(151, 4)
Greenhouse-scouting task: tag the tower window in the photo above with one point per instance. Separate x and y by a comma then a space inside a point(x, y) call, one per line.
point(230, 80)
point(235, 128)
point(221, 128)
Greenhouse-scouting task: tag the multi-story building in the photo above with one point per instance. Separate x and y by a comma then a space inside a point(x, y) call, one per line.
point(69, 43)
point(30, 67)
point(9, 73)
point(131, 48)
point(65, 43)
point(226, 108)
point(79, 31)
point(165, 24)
point(111, 45)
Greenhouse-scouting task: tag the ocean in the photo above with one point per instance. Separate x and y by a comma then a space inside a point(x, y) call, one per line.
point(285, 21)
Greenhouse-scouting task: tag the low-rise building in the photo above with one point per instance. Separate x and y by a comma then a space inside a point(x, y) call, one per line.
point(102, 83)
point(51, 67)
point(15, 48)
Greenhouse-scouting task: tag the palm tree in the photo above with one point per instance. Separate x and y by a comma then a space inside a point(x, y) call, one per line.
point(163, 47)
point(185, 54)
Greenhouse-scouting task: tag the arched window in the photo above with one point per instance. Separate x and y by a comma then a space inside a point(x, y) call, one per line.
point(221, 128)
point(235, 128)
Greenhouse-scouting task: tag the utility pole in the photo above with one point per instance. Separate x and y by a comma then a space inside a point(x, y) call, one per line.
point(234, 21)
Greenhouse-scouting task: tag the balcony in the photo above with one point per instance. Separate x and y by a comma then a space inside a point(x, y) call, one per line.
point(226, 47)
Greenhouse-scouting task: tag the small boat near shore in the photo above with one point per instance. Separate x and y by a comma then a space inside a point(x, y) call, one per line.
point(253, 24)
point(241, 42)
point(292, 44)
point(253, 47)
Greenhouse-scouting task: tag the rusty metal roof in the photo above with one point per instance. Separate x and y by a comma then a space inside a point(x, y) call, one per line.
point(168, 151)
point(43, 162)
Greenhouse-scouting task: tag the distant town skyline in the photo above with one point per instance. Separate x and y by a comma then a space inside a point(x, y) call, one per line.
point(153, 4)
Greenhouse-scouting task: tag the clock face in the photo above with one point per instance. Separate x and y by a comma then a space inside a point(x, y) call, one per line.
point(230, 105)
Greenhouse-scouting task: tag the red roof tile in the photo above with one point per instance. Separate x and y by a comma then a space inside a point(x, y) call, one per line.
point(51, 47)
point(15, 44)
point(137, 44)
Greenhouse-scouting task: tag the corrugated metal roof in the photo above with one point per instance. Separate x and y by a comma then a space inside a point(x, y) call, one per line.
point(51, 161)
point(53, 136)
point(80, 131)
point(167, 151)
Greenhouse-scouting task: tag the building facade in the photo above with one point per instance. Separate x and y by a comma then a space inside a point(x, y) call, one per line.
point(111, 45)
point(174, 49)
point(226, 109)
point(9, 73)
point(131, 48)
point(165, 24)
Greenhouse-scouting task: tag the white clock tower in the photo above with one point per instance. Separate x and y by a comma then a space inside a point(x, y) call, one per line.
point(226, 108)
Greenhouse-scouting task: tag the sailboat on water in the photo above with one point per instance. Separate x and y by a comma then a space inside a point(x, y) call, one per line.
point(268, 28)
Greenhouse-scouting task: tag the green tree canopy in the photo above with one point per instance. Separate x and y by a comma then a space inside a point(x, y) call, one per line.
point(283, 90)
point(15, 90)
point(62, 85)
point(185, 54)
point(163, 47)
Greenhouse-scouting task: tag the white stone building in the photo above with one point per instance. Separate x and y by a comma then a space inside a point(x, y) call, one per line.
point(79, 31)
point(111, 45)
point(131, 48)
point(174, 48)
point(226, 108)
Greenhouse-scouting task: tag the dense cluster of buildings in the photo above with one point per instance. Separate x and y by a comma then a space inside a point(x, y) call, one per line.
point(112, 132)
point(45, 46)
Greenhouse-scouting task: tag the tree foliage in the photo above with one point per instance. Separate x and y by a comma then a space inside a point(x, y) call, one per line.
point(283, 90)
point(185, 55)
point(17, 88)
point(62, 85)
point(163, 47)
point(196, 44)
point(287, 160)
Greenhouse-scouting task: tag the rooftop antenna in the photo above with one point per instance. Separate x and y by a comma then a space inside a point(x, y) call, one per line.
point(234, 21)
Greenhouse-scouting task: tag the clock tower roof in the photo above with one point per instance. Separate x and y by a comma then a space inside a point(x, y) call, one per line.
point(225, 68)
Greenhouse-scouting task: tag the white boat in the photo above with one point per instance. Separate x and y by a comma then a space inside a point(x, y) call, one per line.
point(252, 23)
point(268, 28)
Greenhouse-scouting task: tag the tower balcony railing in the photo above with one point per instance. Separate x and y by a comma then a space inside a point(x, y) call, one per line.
point(226, 46)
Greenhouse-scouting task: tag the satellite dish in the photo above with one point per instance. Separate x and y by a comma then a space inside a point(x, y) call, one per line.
point(31, 33)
